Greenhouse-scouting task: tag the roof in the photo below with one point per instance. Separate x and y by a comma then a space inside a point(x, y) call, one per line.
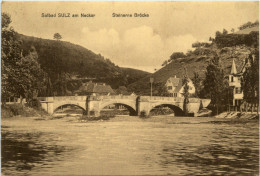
point(178, 88)
point(177, 83)
point(95, 88)
point(233, 68)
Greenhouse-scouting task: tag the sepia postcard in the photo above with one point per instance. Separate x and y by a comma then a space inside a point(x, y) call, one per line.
point(129, 88)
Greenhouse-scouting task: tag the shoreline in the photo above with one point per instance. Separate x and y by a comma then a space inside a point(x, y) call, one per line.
point(126, 118)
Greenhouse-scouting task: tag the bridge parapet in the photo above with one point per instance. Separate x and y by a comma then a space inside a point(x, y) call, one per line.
point(113, 97)
point(65, 98)
point(158, 98)
point(47, 99)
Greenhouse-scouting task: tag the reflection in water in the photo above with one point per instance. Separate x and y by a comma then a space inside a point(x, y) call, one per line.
point(232, 151)
point(158, 146)
point(23, 151)
point(214, 160)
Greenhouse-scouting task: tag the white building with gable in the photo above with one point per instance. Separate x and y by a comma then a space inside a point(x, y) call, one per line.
point(175, 88)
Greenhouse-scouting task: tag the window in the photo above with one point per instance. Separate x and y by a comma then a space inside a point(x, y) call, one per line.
point(232, 79)
point(238, 90)
point(175, 94)
point(169, 87)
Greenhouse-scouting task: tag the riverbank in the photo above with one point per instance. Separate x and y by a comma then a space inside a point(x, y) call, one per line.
point(238, 115)
point(70, 120)
point(17, 109)
point(166, 119)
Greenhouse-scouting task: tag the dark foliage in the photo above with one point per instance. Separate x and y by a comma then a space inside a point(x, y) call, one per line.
point(248, 25)
point(21, 74)
point(215, 85)
point(185, 84)
point(201, 44)
point(230, 40)
point(250, 84)
point(177, 55)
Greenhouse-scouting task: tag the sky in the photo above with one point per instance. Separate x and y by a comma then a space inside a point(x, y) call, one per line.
point(137, 42)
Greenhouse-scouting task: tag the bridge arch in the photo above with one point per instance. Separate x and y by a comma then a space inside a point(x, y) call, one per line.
point(177, 110)
point(128, 106)
point(71, 104)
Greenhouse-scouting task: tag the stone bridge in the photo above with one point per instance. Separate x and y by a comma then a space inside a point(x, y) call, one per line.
point(92, 105)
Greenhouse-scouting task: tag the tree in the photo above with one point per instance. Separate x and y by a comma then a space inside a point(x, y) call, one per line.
point(29, 77)
point(6, 20)
point(218, 34)
point(57, 36)
point(122, 90)
point(21, 75)
point(201, 44)
point(177, 55)
point(197, 83)
point(10, 56)
point(225, 32)
point(250, 83)
point(185, 84)
point(215, 84)
point(165, 63)
point(159, 89)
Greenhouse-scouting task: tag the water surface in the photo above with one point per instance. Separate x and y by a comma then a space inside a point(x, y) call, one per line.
point(132, 146)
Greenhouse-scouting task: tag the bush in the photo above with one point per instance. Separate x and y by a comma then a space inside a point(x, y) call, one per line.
point(143, 114)
point(237, 39)
point(92, 118)
point(35, 103)
point(10, 110)
point(16, 109)
point(5, 113)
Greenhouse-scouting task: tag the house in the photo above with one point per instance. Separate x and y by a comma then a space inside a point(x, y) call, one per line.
point(234, 79)
point(91, 88)
point(175, 88)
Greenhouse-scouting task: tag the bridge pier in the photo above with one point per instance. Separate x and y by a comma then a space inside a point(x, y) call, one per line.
point(47, 104)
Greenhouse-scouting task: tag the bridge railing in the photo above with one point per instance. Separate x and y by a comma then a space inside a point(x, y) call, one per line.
point(45, 98)
point(158, 98)
point(62, 98)
point(111, 97)
point(77, 98)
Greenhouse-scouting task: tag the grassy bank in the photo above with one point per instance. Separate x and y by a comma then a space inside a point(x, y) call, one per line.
point(17, 109)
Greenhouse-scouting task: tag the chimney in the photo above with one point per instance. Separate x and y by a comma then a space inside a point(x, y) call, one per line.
point(175, 76)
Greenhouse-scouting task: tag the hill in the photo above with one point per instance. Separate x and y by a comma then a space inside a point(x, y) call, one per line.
point(56, 57)
point(133, 75)
point(226, 46)
point(193, 63)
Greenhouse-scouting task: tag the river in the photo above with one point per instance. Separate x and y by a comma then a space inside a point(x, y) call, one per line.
point(130, 145)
